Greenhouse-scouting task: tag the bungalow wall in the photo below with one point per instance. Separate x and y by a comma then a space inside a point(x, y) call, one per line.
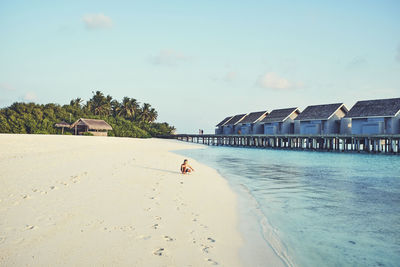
point(376, 125)
point(345, 126)
point(396, 124)
point(258, 128)
point(219, 130)
point(331, 126)
point(297, 127)
point(246, 128)
point(310, 127)
point(286, 127)
point(237, 129)
point(228, 129)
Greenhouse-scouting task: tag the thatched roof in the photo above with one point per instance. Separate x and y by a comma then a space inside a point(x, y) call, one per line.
point(279, 115)
point(320, 112)
point(62, 124)
point(375, 108)
point(254, 117)
point(236, 119)
point(92, 124)
point(222, 123)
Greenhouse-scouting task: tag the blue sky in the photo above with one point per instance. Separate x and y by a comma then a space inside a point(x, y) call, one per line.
point(197, 62)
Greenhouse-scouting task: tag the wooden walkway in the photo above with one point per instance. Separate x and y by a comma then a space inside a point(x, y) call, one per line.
point(388, 144)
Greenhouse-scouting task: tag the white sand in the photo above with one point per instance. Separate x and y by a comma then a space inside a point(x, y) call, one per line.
point(98, 201)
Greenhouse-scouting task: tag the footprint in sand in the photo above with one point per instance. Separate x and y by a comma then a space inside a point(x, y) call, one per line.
point(155, 226)
point(158, 218)
point(34, 190)
point(30, 227)
point(211, 261)
point(25, 196)
point(144, 237)
point(211, 240)
point(53, 187)
point(206, 249)
point(159, 252)
point(168, 238)
point(204, 226)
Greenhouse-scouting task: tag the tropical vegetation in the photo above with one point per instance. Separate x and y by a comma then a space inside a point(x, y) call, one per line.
point(128, 117)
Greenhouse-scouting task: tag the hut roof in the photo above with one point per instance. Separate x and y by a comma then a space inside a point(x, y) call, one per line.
point(236, 119)
point(222, 123)
point(375, 108)
point(279, 115)
point(320, 112)
point(254, 117)
point(93, 124)
point(61, 124)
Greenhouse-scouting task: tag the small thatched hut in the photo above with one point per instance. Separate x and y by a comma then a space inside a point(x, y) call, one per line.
point(62, 125)
point(95, 127)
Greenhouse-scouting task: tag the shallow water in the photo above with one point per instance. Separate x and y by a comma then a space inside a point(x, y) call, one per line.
point(326, 209)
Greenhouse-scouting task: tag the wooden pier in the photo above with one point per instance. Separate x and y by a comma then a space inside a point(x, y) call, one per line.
point(385, 144)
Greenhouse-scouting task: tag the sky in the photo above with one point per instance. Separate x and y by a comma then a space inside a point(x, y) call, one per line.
point(198, 62)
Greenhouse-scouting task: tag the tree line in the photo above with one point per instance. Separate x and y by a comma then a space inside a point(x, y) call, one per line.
point(128, 117)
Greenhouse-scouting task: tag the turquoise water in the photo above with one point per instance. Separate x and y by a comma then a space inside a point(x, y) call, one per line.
point(326, 209)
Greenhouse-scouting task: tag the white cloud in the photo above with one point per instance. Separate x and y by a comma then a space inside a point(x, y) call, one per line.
point(97, 21)
point(6, 87)
point(231, 76)
point(272, 80)
point(29, 97)
point(168, 57)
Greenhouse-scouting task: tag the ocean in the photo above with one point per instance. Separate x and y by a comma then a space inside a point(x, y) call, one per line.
point(315, 208)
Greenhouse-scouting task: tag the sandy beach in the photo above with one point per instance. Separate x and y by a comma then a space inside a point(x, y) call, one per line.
point(98, 201)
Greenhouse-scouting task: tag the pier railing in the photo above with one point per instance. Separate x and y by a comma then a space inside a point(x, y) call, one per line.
point(389, 144)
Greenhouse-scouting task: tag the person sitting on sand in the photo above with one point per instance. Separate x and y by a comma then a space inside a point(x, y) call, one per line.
point(186, 168)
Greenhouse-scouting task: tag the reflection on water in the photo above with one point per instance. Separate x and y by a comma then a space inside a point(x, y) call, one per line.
point(328, 209)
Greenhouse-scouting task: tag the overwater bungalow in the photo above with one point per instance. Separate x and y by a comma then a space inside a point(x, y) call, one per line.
point(250, 123)
point(95, 127)
point(231, 127)
point(220, 126)
point(320, 119)
point(280, 121)
point(381, 116)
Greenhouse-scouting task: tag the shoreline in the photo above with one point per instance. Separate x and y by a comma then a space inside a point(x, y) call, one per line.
point(261, 244)
point(67, 200)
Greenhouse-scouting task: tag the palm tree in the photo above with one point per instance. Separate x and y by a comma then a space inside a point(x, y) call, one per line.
point(153, 115)
point(99, 104)
point(115, 108)
point(129, 108)
point(147, 114)
point(76, 102)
